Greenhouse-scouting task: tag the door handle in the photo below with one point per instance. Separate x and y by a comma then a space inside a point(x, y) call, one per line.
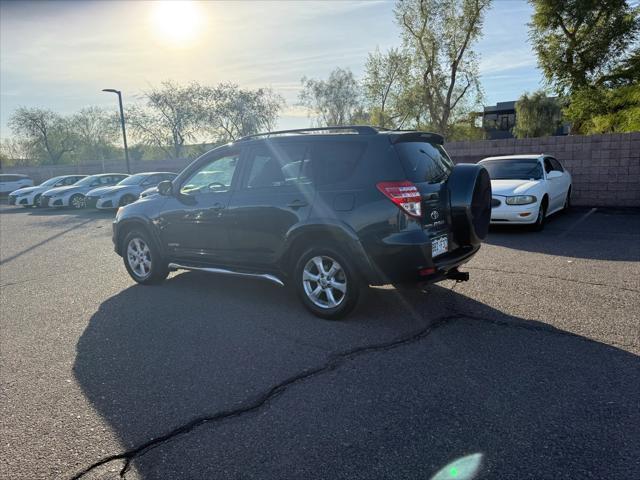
point(297, 204)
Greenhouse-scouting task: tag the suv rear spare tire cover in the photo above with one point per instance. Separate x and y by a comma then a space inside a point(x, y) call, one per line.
point(470, 196)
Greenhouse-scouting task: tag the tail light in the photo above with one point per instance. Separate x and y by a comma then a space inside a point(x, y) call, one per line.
point(405, 195)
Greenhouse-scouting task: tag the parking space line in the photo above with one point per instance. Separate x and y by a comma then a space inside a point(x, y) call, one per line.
point(578, 222)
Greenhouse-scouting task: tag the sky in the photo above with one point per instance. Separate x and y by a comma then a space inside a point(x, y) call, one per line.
point(60, 55)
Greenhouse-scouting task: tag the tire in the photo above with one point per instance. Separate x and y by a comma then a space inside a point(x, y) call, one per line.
point(470, 196)
point(567, 201)
point(37, 201)
point(126, 200)
point(77, 201)
point(142, 259)
point(315, 295)
point(538, 226)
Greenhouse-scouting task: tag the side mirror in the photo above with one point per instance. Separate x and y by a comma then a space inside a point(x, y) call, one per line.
point(165, 188)
point(553, 174)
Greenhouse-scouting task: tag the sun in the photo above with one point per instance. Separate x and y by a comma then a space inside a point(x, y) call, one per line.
point(176, 23)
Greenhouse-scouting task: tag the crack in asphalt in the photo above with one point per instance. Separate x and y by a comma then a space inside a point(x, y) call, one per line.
point(333, 362)
point(553, 277)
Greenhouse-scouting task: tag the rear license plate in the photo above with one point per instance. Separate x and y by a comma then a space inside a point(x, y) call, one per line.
point(439, 246)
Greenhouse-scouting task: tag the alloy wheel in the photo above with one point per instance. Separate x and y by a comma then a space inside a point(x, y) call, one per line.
point(139, 257)
point(324, 282)
point(77, 201)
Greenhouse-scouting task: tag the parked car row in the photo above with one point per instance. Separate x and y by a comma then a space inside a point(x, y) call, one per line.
point(102, 191)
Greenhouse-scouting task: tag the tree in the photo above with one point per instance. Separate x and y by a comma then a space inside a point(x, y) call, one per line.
point(335, 101)
point(606, 110)
point(438, 35)
point(582, 43)
point(536, 115)
point(17, 151)
point(96, 130)
point(231, 112)
point(172, 116)
point(385, 88)
point(49, 133)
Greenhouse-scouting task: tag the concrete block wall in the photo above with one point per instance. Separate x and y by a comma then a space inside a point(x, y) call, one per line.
point(605, 168)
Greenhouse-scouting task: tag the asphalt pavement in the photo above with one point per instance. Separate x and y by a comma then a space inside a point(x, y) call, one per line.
point(530, 370)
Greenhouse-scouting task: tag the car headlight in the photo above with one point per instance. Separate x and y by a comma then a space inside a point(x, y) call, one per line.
point(521, 200)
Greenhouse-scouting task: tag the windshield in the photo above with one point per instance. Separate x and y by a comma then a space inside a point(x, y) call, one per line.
point(133, 179)
point(424, 162)
point(526, 169)
point(86, 182)
point(51, 181)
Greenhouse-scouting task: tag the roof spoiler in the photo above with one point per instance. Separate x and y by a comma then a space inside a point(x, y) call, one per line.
point(413, 136)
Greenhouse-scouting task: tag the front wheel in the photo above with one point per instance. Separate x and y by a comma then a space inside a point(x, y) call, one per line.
point(37, 201)
point(567, 201)
point(77, 201)
point(326, 283)
point(540, 219)
point(143, 260)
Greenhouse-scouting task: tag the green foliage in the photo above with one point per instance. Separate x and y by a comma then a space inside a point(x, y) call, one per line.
point(385, 87)
point(581, 42)
point(536, 115)
point(438, 36)
point(335, 101)
point(606, 110)
point(48, 134)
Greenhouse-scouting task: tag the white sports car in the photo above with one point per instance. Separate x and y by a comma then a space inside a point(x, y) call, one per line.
point(527, 188)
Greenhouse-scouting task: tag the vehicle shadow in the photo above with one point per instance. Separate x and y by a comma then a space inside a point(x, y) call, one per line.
point(599, 234)
point(422, 391)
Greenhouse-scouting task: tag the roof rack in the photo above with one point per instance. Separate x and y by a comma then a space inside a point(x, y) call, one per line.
point(359, 129)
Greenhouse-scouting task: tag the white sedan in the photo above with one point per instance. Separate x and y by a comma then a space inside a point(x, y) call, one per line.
point(526, 189)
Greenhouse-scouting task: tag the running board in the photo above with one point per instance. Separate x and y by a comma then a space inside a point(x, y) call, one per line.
point(263, 276)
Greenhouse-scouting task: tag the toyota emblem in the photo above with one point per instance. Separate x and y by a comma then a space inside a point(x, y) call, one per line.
point(435, 215)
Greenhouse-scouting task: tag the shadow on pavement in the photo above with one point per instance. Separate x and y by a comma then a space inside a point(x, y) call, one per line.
point(531, 401)
point(603, 234)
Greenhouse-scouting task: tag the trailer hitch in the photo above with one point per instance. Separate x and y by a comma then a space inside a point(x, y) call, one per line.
point(457, 275)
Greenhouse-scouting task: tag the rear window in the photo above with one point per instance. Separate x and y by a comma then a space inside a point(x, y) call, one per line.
point(424, 162)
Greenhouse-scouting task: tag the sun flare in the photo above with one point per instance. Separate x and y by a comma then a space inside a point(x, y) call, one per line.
point(176, 23)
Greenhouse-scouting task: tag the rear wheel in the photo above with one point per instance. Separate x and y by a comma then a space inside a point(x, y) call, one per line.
point(77, 201)
point(143, 260)
point(326, 283)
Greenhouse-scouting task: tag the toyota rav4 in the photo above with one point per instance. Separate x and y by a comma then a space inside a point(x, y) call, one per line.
point(326, 211)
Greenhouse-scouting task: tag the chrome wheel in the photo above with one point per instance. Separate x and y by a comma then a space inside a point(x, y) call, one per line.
point(77, 201)
point(324, 282)
point(139, 257)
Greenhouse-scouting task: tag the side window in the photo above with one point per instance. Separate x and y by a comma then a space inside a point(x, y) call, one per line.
point(547, 165)
point(334, 162)
point(151, 180)
point(68, 181)
point(556, 164)
point(213, 177)
point(278, 165)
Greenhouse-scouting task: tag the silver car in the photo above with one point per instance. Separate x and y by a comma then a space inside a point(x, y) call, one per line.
point(125, 192)
point(74, 195)
point(30, 196)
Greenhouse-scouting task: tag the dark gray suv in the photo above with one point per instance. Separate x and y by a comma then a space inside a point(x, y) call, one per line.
point(326, 211)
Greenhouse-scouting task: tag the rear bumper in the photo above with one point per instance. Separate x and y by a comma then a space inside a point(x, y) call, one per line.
point(409, 260)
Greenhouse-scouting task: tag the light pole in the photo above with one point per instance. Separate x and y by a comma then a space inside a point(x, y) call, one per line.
point(124, 131)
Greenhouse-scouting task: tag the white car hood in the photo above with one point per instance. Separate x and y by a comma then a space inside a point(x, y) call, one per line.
point(24, 191)
point(512, 187)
